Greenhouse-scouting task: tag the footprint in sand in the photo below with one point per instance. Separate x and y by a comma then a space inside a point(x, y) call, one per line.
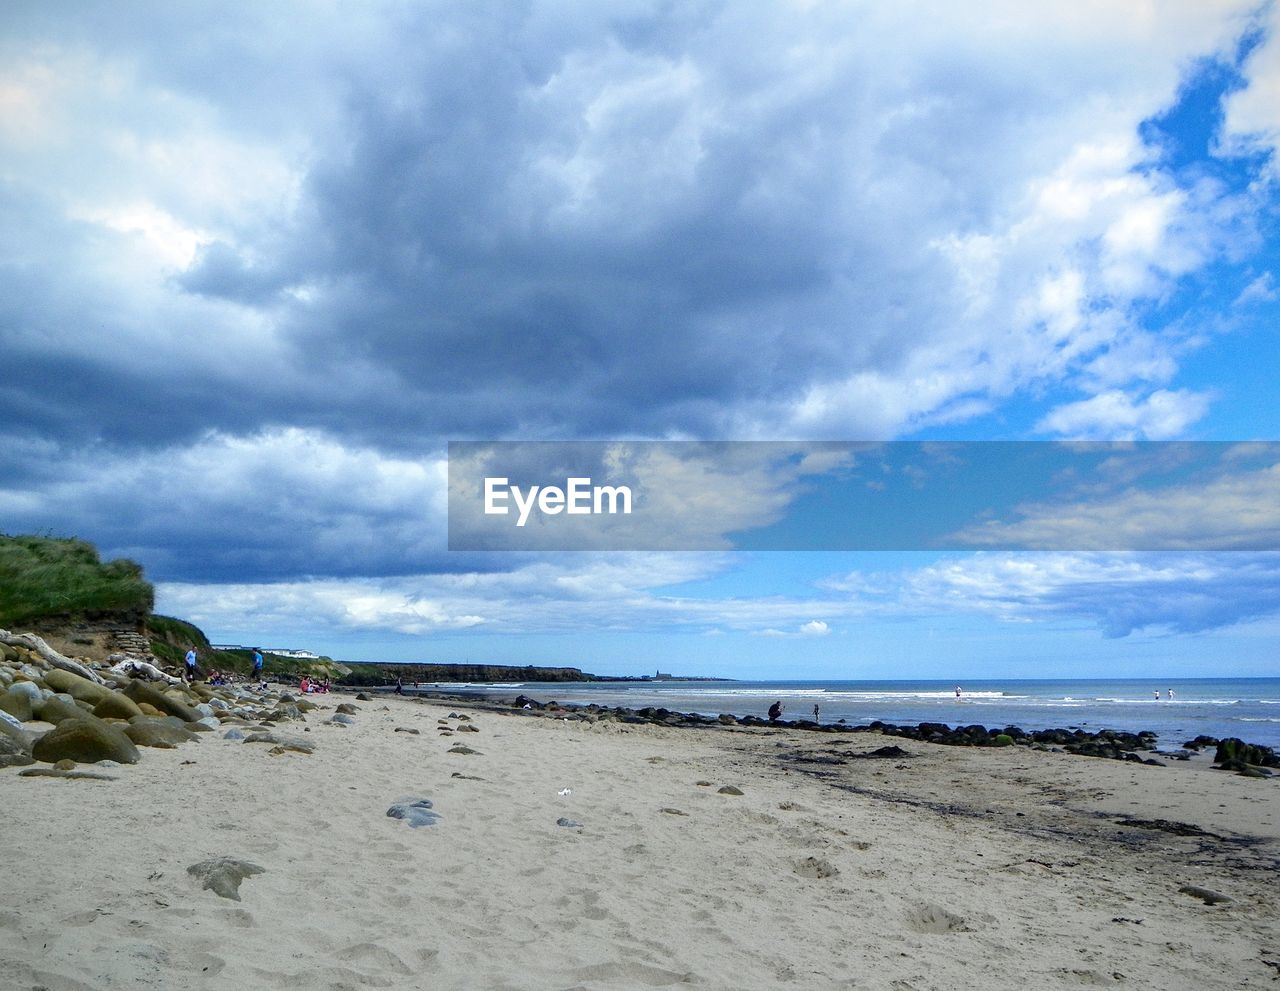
point(208, 964)
point(634, 974)
point(240, 918)
point(372, 954)
point(82, 918)
point(932, 920)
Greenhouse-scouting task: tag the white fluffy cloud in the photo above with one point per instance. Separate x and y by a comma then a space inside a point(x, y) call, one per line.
point(1117, 415)
point(1253, 112)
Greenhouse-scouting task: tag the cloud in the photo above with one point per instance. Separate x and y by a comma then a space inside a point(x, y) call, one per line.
point(282, 503)
point(722, 221)
point(1252, 122)
point(1117, 415)
point(1119, 593)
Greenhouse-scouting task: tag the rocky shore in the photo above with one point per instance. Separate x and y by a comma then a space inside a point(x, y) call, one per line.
point(66, 711)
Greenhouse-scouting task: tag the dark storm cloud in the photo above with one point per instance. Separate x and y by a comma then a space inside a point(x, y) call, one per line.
point(371, 228)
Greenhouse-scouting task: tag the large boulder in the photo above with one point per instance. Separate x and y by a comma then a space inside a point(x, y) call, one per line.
point(86, 741)
point(1233, 749)
point(55, 710)
point(147, 732)
point(141, 693)
point(116, 706)
point(78, 688)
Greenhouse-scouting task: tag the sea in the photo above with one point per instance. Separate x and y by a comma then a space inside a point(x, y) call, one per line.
point(1176, 710)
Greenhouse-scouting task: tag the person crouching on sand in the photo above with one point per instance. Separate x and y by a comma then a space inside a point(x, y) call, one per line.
point(775, 712)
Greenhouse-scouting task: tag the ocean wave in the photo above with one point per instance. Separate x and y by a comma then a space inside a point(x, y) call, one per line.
point(830, 695)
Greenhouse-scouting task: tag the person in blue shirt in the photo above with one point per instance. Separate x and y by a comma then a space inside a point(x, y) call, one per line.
point(191, 664)
point(257, 664)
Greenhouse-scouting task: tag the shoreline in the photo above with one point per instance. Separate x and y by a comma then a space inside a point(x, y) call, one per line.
point(1106, 743)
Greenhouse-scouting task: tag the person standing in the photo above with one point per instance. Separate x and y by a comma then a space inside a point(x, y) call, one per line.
point(191, 665)
point(257, 664)
point(815, 712)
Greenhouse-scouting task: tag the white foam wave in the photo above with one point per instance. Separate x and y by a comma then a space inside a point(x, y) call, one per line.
point(830, 695)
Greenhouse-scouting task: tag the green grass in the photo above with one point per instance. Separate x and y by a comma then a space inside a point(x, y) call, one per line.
point(51, 577)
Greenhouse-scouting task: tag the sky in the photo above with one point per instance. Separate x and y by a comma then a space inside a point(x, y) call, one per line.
point(261, 263)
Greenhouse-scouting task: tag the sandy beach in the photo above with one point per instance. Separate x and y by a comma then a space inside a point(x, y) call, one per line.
point(944, 868)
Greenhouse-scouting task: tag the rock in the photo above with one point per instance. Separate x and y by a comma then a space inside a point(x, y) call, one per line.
point(414, 812)
point(568, 823)
point(890, 752)
point(1206, 895)
point(86, 740)
point(281, 713)
point(9, 726)
point(18, 704)
point(56, 710)
point(462, 749)
point(342, 719)
point(204, 708)
point(347, 709)
point(363, 697)
point(78, 688)
point(282, 744)
point(142, 693)
point(1235, 749)
point(222, 875)
point(66, 764)
point(814, 868)
point(28, 688)
point(1002, 740)
point(206, 724)
point(54, 772)
point(407, 729)
point(157, 733)
point(116, 706)
point(728, 790)
point(673, 812)
point(14, 752)
point(233, 734)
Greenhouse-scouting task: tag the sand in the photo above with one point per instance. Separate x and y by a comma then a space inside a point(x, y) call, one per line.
point(948, 868)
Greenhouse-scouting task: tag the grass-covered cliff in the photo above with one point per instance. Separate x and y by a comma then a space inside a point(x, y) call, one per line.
point(46, 580)
point(61, 588)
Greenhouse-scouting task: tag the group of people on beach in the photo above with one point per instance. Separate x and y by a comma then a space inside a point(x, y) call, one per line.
point(191, 670)
point(311, 686)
